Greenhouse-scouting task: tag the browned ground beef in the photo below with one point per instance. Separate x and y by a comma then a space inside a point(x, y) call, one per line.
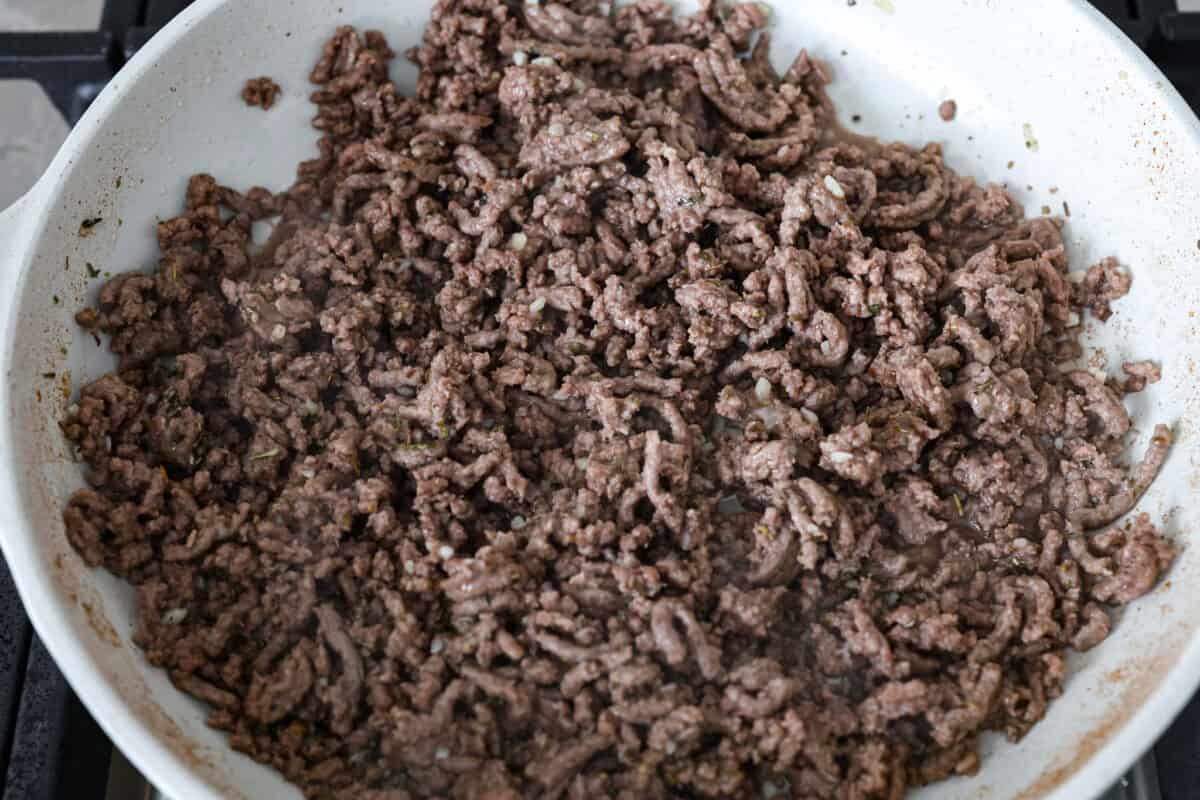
point(598, 423)
point(261, 92)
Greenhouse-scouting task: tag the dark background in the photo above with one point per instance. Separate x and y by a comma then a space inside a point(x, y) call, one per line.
point(50, 748)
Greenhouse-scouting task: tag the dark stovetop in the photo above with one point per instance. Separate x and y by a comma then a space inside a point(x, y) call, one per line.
point(51, 749)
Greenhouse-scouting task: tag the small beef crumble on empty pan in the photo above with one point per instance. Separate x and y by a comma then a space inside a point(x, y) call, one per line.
point(600, 422)
point(261, 92)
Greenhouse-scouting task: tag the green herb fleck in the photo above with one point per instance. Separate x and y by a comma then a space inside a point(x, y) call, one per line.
point(92, 271)
point(268, 454)
point(958, 504)
point(874, 308)
point(85, 227)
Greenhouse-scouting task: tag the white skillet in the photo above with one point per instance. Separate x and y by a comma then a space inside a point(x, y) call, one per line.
point(1050, 97)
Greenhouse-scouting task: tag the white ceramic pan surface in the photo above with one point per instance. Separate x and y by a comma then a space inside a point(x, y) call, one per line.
point(1049, 98)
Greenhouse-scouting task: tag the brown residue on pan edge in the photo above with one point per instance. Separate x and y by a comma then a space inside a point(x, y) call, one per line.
point(100, 624)
point(1143, 676)
point(199, 757)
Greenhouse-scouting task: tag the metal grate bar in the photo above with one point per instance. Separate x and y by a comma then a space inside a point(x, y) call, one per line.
point(15, 636)
point(71, 67)
point(55, 754)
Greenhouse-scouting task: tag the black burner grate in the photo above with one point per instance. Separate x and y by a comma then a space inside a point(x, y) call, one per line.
point(51, 749)
point(73, 67)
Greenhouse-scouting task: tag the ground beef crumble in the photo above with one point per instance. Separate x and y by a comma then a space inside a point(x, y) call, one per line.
point(261, 92)
point(597, 422)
